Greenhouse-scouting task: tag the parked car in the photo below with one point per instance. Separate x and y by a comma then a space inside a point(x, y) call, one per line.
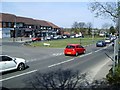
point(48, 38)
point(78, 35)
point(65, 36)
point(72, 36)
point(100, 44)
point(36, 39)
point(74, 49)
point(107, 41)
point(57, 37)
point(8, 63)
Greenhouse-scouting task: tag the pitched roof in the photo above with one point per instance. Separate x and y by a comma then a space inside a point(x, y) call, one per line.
point(42, 23)
point(4, 17)
point(53, 25)
point(25, 20)
point(7, 17)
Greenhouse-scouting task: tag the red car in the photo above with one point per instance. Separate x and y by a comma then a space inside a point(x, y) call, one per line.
point(74, 49)
point(36, 39)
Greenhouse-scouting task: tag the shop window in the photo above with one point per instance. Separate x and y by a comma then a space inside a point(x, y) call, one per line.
point(9, 24)
point(4, 24)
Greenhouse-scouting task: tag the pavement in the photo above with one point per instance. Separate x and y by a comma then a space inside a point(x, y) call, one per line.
point(101, 74)
point(19, 39)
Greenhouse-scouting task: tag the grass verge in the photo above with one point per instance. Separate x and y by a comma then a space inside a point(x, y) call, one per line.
point(61, 43)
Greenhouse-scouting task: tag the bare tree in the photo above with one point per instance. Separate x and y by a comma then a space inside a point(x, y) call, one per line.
point(89, 26)
point(78, 27)
point(66, 80)
point(58, 79)
point(81, 25)
point(75, 27)
point(105, 9)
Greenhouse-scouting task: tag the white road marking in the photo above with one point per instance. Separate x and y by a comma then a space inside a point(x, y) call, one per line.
point(18, 75)
point(86, 54)
point(57, 54)
point(61, 63)
point(68, 60)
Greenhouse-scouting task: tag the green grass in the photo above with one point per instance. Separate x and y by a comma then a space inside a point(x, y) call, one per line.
point(63, 42)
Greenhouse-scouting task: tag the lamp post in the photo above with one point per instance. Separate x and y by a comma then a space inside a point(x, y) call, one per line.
point(119, 31)
point(14, 33)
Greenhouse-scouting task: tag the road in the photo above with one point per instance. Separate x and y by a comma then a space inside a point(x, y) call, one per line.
point(47, 59)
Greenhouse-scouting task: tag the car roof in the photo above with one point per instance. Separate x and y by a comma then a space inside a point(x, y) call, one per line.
point(3, 55)
point(100, 41)
point(73, 44)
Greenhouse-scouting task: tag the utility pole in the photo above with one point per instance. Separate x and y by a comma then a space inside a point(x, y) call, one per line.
point(119, 31)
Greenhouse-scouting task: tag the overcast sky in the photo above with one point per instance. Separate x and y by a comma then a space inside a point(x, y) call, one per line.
point(63, 14)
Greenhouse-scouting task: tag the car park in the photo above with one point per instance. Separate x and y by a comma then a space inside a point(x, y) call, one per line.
point(100, 44)
point(36, 39)
point(74, 49)
point(8, 63)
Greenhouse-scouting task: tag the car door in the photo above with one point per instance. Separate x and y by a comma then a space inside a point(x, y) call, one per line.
point(81, 49)
point(2, 63)
point(9, 63)
point(78, 49)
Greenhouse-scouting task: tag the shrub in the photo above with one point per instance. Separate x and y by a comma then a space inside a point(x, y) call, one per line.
point(114, 78)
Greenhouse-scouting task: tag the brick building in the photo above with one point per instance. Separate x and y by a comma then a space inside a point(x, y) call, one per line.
point(12, 25)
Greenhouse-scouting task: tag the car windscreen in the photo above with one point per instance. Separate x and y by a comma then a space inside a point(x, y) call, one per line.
point(70, 46)
point(100, 42)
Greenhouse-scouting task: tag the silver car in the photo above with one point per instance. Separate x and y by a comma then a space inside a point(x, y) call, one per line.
point(8, 63)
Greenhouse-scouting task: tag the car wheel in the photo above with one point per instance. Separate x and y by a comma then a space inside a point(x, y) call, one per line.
point(65, 54)
point(76, 54)
point(21, 66)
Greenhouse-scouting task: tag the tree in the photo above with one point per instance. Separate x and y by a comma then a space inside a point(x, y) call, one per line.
point(81, 25)
point(108, 9)
point(75, 28)
point(78, 27)
point(105, 9)
point(89, 26)
point(112, 30)
point(65, 80)
point(57, 80)
point(106, 27)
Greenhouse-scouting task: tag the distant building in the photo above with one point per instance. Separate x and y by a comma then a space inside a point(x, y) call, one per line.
point(16, 26)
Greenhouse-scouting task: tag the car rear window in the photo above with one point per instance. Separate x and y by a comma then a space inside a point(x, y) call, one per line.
point(70, 46)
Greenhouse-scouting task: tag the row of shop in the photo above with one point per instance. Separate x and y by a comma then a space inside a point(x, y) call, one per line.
point(15, 26)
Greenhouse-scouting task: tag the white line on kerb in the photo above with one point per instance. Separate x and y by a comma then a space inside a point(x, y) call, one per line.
point(18, 75)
